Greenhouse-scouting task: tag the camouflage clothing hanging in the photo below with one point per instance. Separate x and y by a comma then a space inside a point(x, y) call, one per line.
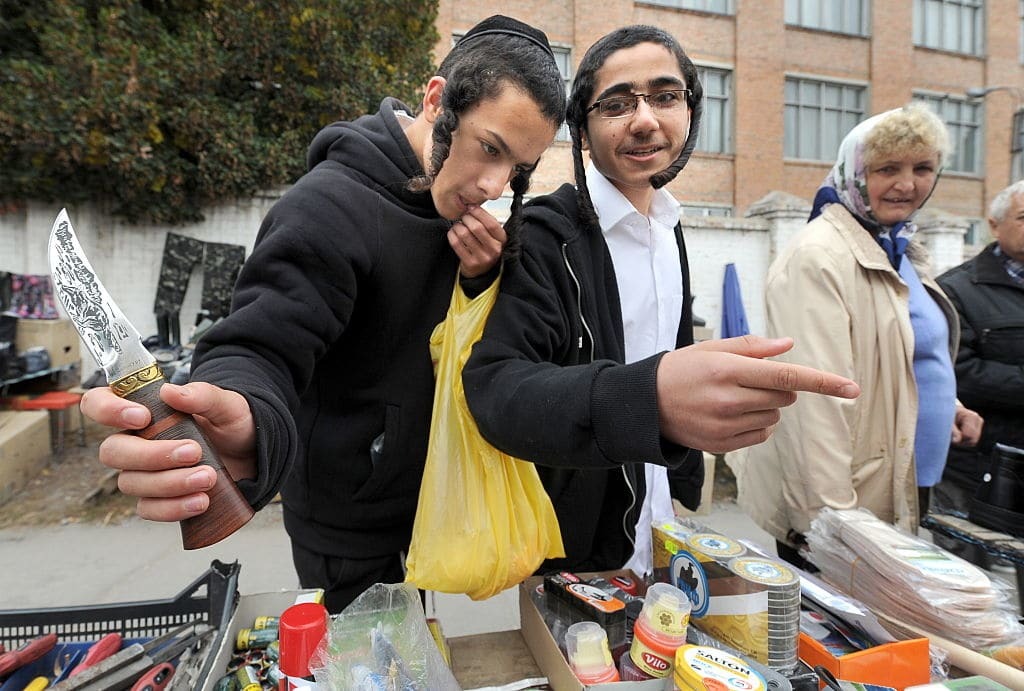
point(181, 254)
point(220, 263)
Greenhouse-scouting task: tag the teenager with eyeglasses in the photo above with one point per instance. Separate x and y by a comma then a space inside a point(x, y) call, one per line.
point(319, 384)
point(586, 366)
point(660, 102)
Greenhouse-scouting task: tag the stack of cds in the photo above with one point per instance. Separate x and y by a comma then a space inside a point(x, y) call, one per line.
point(747, 601)
point(783, 607)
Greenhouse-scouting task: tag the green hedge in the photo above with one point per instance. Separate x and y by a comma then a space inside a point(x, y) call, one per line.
point(159, 108)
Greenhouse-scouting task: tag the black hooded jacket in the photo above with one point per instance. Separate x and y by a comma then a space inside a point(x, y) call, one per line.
point(990, 362)
point(546, 384)
point(328, 340)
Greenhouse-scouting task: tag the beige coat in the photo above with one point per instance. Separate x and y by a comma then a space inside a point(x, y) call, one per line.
point(834, 291)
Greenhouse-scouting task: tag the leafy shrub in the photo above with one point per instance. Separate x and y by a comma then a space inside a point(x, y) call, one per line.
point(158, 108)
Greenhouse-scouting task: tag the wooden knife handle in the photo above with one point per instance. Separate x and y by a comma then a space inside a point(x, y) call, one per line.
point(228, 510)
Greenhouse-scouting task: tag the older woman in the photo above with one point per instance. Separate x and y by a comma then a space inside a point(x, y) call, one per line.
point(853, 290)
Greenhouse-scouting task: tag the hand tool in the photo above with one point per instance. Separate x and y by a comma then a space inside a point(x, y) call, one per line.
point(27, 653)
point(134, 374)
point(63, 664)
point(188, 668)
point(156, 679)
point(99, 651)
point(122, 658)
point(125, 677)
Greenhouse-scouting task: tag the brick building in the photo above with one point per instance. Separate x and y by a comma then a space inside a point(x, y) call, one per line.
point(786, 79)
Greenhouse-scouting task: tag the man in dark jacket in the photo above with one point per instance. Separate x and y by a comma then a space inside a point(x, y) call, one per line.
point(572, 371)
point(319, 383)
point(988, 293)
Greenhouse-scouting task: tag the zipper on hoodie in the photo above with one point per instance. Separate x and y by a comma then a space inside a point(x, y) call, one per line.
point(590, 335)
point(625, 516)
point(579, 302)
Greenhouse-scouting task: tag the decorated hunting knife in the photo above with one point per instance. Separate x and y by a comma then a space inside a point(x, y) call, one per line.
point(132, 373)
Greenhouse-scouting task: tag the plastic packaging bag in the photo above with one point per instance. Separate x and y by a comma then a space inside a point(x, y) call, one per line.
point(483, 521)
point(912, 580)
point(380, 642)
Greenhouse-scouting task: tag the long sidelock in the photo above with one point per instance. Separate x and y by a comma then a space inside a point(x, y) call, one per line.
point(133, 374)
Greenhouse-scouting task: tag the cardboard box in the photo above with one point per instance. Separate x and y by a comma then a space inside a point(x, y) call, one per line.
point(58, 336)
point(249, 607)
point(550, 659)
point(899, 664)
point(703, 333)
point(24, 448)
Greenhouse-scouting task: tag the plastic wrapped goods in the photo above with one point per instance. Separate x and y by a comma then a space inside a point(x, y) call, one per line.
point(381, 642)
point(912, 579)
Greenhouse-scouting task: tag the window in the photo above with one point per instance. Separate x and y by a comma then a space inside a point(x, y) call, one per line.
point(963, 118)
point(818, 115)
point(977, 233)
point(716, 6)
point(1017, 147)
point(955, 25)
point(843, 16)
point(716, 124)
point(563, 58)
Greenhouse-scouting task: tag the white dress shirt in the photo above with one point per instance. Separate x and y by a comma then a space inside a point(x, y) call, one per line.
point(648, 272)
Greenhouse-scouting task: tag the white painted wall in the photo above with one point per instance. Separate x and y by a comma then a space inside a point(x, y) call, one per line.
point(713, 242)
point(127, 258)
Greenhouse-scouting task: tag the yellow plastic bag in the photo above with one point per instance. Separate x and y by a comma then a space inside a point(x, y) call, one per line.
point(483, 521)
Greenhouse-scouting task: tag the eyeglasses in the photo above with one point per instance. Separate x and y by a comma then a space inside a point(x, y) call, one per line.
point(624, 106)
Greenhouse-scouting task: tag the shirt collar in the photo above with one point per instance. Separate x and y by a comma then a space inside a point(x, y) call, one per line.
point(613, 208)
point(1014, 268)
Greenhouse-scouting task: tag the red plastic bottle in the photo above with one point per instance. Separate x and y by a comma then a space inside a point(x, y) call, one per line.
point(300, 629)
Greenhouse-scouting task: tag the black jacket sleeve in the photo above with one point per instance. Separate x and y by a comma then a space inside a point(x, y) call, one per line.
point(532, 388)
point(687, 480)
point(291, 301)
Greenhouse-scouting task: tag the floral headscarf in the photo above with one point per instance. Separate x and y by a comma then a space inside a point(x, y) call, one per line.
point(846, 184)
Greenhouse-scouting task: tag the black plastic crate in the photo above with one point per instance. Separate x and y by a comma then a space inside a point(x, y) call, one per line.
point(210, 599)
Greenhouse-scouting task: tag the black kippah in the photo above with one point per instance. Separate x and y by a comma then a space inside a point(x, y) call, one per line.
point(500, 24)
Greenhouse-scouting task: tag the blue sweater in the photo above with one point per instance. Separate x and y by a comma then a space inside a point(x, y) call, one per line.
point(936, 382)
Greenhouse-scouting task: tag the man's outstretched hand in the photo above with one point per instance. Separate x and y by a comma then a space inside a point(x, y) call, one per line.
point(723, 395)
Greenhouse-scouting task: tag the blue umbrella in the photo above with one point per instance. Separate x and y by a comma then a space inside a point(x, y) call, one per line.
point(734, 317)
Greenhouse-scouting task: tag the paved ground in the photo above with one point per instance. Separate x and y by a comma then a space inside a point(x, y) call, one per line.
point(69, 538)
point(59, 548)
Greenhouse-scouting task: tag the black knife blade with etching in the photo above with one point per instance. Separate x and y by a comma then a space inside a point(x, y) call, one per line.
point(133, 374)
